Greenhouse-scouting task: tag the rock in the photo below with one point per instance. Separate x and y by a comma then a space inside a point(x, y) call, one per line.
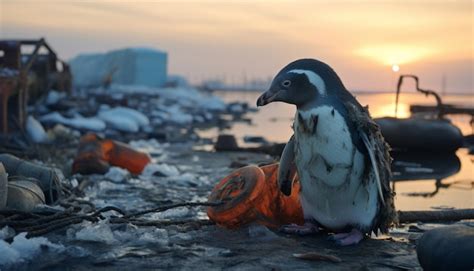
point(226, 143)
point(447, 248)
point(255, 139)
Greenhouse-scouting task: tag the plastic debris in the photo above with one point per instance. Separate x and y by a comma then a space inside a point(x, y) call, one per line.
point(3, 187)
point(95, 155)
point(49, 178)
point(24, 195)
point(251, 194)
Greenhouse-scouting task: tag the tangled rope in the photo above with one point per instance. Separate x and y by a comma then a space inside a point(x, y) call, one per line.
point(77, 210)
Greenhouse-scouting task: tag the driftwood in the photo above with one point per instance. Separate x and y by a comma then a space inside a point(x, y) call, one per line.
point(435, 216)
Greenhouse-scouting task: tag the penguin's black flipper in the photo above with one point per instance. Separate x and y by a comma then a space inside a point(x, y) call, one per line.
point(380, 159)
point(285, 170)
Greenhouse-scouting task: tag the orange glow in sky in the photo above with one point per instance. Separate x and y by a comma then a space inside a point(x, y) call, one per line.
point(361, 40)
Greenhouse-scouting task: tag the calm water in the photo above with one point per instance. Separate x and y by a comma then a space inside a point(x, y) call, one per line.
point(434, 182)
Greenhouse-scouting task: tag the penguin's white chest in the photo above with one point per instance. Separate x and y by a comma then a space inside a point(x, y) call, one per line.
point(331, 170)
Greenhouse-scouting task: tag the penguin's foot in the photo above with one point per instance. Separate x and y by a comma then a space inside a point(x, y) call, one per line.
point(305, 229)
point(346, 239)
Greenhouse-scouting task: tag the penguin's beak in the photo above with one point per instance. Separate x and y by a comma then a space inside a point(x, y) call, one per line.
point(267, 97)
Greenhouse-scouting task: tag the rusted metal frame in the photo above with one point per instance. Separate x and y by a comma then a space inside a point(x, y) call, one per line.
point(439, 102)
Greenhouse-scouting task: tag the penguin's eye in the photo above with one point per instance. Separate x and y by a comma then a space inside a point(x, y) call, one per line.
point(286, 83)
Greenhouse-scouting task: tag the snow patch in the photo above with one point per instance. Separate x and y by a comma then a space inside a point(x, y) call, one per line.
point(78, 121)
point(35, 130)
point(54, 97)
point(124, 119)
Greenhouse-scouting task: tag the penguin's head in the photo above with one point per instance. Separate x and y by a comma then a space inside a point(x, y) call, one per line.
point(302, 81)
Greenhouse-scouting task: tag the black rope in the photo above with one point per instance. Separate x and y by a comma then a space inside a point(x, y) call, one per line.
point(43, 222)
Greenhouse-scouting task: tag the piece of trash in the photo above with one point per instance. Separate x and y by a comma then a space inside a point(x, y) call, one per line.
point(315, 256)
point(24, 194)
point(226, 143)
point(95, 155)
point(251, 194)
point(48, 179)
point(3, 187)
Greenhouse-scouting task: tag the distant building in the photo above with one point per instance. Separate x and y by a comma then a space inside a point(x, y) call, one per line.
point(131, 66)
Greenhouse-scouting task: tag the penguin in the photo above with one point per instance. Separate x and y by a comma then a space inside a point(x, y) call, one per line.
point(340, 155)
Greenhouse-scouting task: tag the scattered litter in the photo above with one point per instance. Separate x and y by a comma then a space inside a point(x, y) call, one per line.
point(96, 154)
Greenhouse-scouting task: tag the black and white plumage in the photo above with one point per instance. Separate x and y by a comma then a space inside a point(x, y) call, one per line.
point(341, 157)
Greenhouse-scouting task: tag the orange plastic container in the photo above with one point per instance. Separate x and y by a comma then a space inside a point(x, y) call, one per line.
point(96, 154)
point(251, 194)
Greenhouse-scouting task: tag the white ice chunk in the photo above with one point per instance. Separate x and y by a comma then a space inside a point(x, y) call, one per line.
point(117, 175)
point(118, 122)
point(184, 96)
point(78, 121)
point(125, 112)
point(6, 232)
point(96, 232)
point(23, 249)
point(174, 213)
point(35, 130)
point(159, 169)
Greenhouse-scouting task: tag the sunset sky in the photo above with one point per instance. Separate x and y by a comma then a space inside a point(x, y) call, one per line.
point(361, 40)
